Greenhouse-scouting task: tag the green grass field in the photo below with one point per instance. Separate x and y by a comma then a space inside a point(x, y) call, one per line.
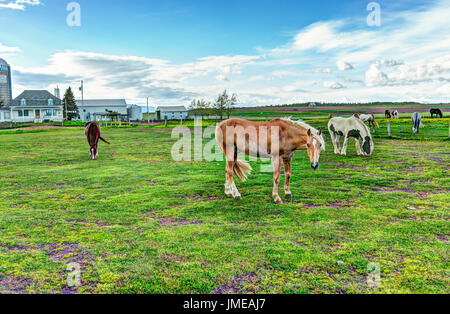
point(138, 222)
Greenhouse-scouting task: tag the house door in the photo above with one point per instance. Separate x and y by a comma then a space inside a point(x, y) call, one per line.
point(38, 114)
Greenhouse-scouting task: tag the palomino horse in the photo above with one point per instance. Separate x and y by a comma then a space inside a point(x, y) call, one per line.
point(417, 122)
point(350, 128)
point(93, 134)
point(277, 139)
point(368, 117)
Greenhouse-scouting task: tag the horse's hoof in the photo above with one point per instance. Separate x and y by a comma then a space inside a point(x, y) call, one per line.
point(289, 195)
point(229, 195)
point(238, 198)
point(279, 202)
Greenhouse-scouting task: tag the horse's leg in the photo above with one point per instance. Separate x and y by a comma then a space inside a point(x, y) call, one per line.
point(344, 148)
point(230, 185)
point(229, 179)
point(276, 179)
point(288, 173)
point(336, 143)
point(358, 147)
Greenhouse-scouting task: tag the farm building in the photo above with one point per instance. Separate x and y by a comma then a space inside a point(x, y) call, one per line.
point(5, 114)
point(135, 113)
point(89, 108)
point(36, 106)
point(172, 113)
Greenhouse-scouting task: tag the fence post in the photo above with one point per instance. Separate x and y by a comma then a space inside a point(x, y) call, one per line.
point(165, 123)
point(449, 128)
point(389, 128)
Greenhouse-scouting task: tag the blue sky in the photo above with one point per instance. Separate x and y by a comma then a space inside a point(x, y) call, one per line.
point(268, 52)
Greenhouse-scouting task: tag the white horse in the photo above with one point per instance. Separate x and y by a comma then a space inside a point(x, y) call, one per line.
point(417, 122)
point(350, 128)
point(395, 114)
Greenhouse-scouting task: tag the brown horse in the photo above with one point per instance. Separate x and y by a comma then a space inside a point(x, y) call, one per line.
point(278, 139)
point(369, 118)
point(387, 114)
point(93, 134)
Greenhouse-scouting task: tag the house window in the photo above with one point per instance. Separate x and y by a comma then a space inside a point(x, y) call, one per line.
point(23, 102)
point(26, 113)
point(48, 112)
point(20, 112)
point(50, 102)
point(54, 113)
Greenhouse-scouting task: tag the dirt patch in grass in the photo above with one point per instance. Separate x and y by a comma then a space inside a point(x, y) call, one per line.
point(171, 221)
point(70, 253)
point(14, 284)
point(337, 205)
point(200, 198)
point(238, 285)
point(100, 224)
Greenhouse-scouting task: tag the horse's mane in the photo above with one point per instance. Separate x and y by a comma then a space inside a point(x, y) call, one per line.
point(364, 126)
point(306, 126)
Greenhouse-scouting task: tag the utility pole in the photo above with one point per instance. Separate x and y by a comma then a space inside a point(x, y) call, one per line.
point(148, 113)
point(82, 99)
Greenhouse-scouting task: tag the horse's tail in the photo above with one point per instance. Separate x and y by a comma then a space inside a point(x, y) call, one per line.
point(242, 169)
point(104, 140)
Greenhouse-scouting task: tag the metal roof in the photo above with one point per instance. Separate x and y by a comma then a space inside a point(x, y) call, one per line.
point(172, 109)
point(3, 62)
point(102, 103)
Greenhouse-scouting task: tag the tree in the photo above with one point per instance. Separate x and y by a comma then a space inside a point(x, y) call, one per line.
point(225, 103)
point(200, 107)
point(70, 105)
point(221, 104)
point(231, 103)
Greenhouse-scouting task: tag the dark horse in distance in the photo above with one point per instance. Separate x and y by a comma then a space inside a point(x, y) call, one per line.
point(93, 134)
point(437, 112)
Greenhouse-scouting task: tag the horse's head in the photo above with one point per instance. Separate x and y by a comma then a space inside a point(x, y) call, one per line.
point(368, 146)
point(93, 153)
point(315, 145)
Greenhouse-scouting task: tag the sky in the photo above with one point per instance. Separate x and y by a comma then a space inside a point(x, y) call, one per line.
point(268, 52)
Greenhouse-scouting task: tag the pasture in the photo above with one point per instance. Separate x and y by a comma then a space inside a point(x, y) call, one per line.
point(138, 222)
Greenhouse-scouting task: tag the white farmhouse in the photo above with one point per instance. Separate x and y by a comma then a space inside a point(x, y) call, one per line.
point(172, 113)
point(95, 109)
point(35, 106)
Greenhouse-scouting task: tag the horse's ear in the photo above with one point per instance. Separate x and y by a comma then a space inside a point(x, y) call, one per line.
point(320, 131)
point(309, 132)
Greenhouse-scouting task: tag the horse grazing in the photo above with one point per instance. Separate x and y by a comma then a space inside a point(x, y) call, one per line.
point(395, 114)
point(350, 128)
point(436, 112)
point(368, 117)
point(417, 122)
point(93, 134)
point(387, 114)
point(277, 139)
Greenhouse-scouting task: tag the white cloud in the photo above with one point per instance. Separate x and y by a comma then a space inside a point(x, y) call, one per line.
point(8, 50)
point(343, 66)
point(18, 4)
point(333, 85)
point(405, 59)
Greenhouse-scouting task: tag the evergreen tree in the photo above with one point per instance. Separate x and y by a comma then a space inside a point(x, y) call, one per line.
point(70, 105)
